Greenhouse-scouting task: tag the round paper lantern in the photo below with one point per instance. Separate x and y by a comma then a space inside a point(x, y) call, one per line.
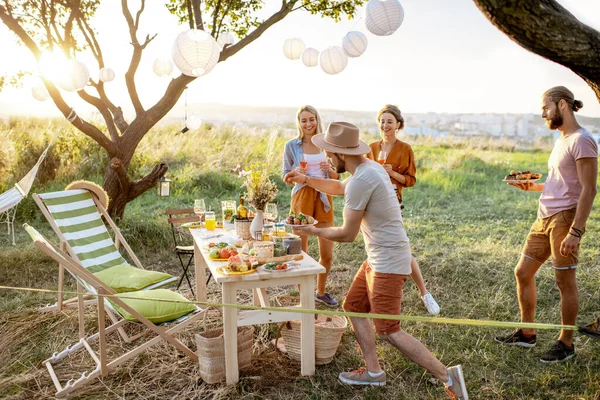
point(74, 76)
point(333, 60)
point(293, 48)
point(354, 43)
point(195, 52)
point(225, 38)
point(193, 122)
point(310, 57)
point(383, 17)
point(162, 67)
point(39, 91)
point(107, 74)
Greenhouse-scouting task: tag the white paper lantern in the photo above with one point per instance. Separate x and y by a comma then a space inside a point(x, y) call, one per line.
point(39, 91)
point(74, 76)
point(162, 66)
point(193, 122)
point(383, 17)
point(225, 38)
point(333, 60)
point(107, 74)
point(354, 43)
point(195, 52)
point(293, 48)
point(310, 57)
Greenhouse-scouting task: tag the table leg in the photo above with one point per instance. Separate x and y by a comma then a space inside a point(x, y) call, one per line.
point(200, 273)
point(230, 318)
point(307, 327)
point(260, 297)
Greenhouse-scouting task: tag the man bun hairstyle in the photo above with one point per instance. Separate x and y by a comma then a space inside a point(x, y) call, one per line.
point(395, 111)
point(558, 93)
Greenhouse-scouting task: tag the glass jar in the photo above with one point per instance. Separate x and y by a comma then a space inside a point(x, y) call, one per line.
point(267, 231)
point(228, 209)
point(279, 230)
point(210, 221)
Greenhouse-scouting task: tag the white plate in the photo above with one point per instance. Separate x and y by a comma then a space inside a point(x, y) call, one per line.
point(290, 266)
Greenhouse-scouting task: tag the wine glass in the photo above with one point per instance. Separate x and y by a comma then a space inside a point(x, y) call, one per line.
point(199, 208)
point(271, 211)
point(381, 157)
point(303, 162)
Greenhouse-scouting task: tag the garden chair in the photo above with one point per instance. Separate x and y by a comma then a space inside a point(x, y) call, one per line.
point(161, 311)
point(184, 253)
point(10, 199)
point(76, 218)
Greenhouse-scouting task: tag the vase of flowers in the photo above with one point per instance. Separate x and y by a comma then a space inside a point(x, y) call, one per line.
point(260, 190)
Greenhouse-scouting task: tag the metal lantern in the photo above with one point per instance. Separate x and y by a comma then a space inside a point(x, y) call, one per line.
point(195, 52)
point(333, 60)
point(107, 74)
point(293, 48)
point(39, 91)
point(162, 66)
point(74, 76)
point(354, 43)
point(225, 38)
point(383, 17)
point(310, 57)
point(193, 122)
point(163, 189)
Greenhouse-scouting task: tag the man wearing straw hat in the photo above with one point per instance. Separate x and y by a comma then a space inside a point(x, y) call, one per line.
point(371, 206)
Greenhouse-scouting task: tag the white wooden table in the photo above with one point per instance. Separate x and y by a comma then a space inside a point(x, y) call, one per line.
point(303, 275)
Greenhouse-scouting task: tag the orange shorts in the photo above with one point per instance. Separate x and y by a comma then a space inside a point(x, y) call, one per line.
point(378, 293)
point(307, 201)
point(545, 237)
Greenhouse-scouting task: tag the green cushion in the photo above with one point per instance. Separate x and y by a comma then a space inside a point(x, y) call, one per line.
point(125, 278)
point(156, 311)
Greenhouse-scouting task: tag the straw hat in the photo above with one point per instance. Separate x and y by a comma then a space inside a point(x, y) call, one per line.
point(96, 190)
point(341, 138)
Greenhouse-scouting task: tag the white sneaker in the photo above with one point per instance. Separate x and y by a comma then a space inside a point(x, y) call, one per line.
point(432, 306)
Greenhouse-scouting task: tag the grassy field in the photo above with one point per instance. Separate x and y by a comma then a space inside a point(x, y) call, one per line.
point(466, 229)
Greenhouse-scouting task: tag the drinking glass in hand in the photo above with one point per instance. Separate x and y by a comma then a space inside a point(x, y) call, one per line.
point(303, 162)
point(381, 157)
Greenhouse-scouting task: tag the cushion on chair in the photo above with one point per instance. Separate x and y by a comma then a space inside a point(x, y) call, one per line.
point(125, 278)
point(189, 249)
point(156, 311)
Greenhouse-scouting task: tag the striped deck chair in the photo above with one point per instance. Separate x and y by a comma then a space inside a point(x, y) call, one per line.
point(76, 217)
point(129, 307)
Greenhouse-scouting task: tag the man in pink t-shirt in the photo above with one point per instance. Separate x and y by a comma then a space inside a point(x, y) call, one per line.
point(564, 207)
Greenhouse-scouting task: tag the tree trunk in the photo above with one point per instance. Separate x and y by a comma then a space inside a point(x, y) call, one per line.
point(546, 28)
point(121, 190)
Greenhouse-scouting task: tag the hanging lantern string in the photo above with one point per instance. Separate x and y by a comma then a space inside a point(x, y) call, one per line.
point(185, 111)
point(357, 21)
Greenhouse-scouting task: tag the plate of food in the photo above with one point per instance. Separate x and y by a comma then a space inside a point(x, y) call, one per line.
point(224, 270)
point(222, 254)
point(274, 266)
point(521, 177)
point(192, 225)
point(236, 266)
point(300, 219)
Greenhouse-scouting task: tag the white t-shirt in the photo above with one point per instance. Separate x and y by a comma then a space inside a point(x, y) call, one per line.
point(312, 164)
point(562, 189)
point(388, 248)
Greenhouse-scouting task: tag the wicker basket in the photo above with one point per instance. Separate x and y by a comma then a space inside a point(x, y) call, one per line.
point(242, 228)
point(211, 351)
point(328, 334)
point(264, 249)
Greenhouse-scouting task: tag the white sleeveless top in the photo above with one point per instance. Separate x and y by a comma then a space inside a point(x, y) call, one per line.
point(312, 166)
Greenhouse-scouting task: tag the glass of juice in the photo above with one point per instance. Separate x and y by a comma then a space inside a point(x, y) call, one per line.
point(382, 156)
point(303, 162)
point(210, 221)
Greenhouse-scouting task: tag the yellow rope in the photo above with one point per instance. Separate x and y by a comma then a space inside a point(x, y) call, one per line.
point(435, 320)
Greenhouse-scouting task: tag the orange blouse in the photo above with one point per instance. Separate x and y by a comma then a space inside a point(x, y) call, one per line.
point(402, 159)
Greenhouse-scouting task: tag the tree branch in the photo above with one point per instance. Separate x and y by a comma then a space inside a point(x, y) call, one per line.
point(215, 15)
point(135, 60)
point(228, 51)
point(104, 111)
point(197, 14)
point(546, 28)
point(140, 186)
point(117, 165)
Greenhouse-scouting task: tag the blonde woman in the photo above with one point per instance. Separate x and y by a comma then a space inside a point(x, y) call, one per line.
point(301, 155)
point(398, 160)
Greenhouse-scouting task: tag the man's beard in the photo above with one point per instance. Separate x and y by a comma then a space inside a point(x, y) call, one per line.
point(341, 168)
point(555, 121)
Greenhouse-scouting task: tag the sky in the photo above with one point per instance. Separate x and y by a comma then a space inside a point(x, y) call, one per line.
point(446, 57)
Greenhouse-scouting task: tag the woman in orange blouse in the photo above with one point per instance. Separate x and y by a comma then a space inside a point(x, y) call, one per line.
point(398, 160)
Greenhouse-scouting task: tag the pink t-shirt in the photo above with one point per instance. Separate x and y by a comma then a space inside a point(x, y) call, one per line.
point(562, 189)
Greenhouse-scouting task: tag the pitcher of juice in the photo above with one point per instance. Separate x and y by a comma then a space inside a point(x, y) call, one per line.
point(210, 221)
